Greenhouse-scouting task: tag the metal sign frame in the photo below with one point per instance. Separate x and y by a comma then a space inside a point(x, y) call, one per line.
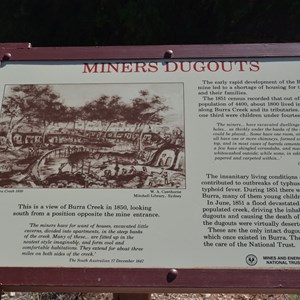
point(148, 280)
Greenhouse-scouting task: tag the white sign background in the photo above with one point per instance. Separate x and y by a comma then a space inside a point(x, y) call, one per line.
point(175, 239)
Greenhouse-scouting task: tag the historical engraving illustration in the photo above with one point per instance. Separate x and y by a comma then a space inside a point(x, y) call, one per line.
point(92, 136)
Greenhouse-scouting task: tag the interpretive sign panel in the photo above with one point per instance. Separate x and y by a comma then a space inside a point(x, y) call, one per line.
point(149, 163)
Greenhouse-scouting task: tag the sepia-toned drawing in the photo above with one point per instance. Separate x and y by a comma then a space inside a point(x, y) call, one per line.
point(92, 136)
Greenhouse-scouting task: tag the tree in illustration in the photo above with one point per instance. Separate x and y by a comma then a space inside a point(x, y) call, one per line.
point(145, 110)
point(114, 111)
point(108, 109)
point(86, 114)
point(47, 108)
point(13, 108)
point(98, 108)
point(22, 105)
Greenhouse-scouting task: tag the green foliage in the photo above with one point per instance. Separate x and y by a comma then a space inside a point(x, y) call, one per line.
point(132, 22)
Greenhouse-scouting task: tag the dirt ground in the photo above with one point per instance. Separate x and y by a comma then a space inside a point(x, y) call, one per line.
point(166, 296)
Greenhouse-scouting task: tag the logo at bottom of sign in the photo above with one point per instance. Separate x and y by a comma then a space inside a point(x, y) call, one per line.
point(251, 260)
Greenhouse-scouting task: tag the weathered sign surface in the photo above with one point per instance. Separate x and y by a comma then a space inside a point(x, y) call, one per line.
point(183, 168)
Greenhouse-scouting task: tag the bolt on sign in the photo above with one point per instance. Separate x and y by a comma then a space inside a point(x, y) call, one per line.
point(154, 168)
